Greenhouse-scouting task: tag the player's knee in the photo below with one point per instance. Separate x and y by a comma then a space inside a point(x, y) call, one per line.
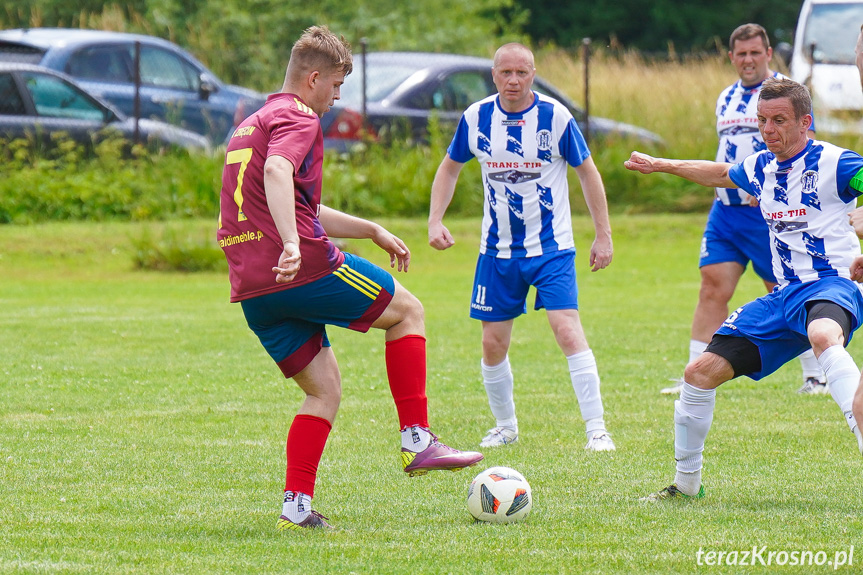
point(414, 311)
point(494, 348)
point(713, 291)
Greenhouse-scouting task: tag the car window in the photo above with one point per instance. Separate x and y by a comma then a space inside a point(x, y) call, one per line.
point(11, 103)
point(382, 79)
point(165, 69)
point(106, 63)
point(54, 98)
point(829, 31)
point(12, 52)
point(459, 90)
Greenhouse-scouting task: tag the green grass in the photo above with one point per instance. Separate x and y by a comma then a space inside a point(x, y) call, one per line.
point(142, 426)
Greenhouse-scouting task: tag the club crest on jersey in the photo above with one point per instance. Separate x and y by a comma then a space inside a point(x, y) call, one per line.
point(809, 196)
point(543, 140)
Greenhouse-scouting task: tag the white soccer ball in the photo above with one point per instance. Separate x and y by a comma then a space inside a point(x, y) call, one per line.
point(499, 495)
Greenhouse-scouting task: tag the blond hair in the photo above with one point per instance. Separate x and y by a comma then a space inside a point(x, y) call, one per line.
point(321, 50)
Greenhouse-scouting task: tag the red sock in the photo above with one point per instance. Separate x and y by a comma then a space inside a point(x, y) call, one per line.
point(306, 440)
point(406, 371)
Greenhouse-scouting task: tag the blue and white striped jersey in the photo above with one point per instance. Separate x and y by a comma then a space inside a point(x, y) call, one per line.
point(737, 128)
point(523, 158)
point(806, 201)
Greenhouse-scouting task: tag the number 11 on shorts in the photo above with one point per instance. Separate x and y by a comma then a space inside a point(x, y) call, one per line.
point(480, 295)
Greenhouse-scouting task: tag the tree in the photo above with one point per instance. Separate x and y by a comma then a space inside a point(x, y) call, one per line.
point(651, 26)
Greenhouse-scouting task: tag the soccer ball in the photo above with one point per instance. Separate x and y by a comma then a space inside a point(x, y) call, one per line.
point(499, 495)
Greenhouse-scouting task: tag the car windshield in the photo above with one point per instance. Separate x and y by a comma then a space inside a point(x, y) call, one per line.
point(381, 80)
point(832, 28)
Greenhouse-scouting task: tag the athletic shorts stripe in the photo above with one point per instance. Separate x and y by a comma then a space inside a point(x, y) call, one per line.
point(357, 280)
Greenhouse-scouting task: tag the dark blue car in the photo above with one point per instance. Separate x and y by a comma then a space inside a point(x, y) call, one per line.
point(174, 86)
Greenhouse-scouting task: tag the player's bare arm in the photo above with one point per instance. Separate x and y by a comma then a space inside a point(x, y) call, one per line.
point(856, 220)
point(703, 172)
point(443, 189)
point(341, 225)
point(279, 187)
point(602, 249)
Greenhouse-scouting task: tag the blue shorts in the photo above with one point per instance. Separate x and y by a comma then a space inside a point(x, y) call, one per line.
point(776, 322)
point(291, 323)
point(737, 234)
point(500, 285)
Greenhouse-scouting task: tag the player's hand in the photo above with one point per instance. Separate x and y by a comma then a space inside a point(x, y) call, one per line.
point(639, 162)
point(856, 219)
point(439, 237)
point(289, 263)
point(856, 269)
point(601, 252)
point(399, 252)
point(753, 201)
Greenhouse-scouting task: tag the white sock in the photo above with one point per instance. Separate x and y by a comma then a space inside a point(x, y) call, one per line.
point(297, 506)
point(696, 348)
point(844, 376)
point(693, 414)
point(585, 383)
point(688, 483)
point(415, 438)
point(498, 382)
point(810, 365)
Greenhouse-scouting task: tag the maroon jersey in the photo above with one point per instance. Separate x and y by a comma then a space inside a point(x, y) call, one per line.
point(285, 127)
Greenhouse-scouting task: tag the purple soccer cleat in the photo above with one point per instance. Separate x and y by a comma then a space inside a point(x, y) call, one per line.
point(437, 456)
point(314, 521)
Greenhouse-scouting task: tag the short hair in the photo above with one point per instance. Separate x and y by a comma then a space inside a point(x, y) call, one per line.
point(774, 88)
point(319, 49)
point(746, 32)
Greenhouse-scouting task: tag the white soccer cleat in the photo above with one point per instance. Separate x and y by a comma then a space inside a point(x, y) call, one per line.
point(814, 386)
point(600, 442)
point(499, 436)
point(674, 389)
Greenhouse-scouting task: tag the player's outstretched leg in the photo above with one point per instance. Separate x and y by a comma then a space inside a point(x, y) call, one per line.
point(693, 415)
point(423, 452)
point(843, 375)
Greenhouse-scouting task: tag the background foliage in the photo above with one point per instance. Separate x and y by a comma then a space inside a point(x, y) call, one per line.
point(653, 25)
point(249, 43)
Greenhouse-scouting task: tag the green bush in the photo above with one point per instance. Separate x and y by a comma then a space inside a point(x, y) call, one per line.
point(109, 180)
point(178, 247)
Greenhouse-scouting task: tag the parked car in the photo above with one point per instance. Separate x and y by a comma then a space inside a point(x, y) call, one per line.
point(174, 86)
point(823, 59)
point(404, 89)
point(36, 102)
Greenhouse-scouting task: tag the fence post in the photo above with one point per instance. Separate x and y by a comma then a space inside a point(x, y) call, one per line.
point(364, 44)
point(585, 47)
point(137, 108)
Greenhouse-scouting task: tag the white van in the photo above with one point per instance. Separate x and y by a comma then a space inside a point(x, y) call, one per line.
point(823, 59)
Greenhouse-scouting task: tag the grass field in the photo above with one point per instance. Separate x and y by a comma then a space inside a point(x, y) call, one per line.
point(142, 426)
